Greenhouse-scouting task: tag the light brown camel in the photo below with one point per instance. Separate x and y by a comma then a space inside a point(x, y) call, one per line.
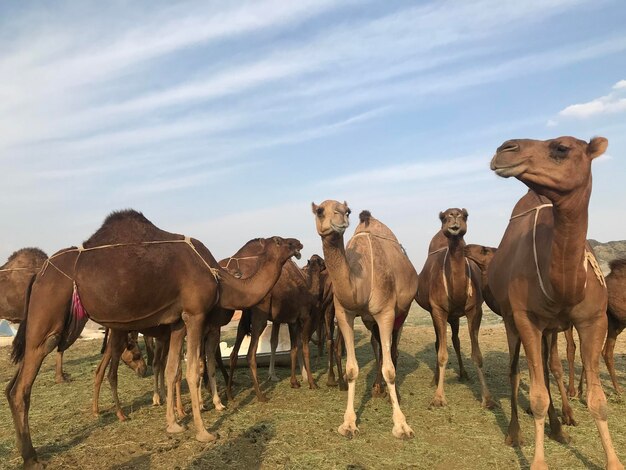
point(544, 276)
point(15, 278)
point(450, 287)
point(373, 278)
point(130, 275)
point(482, 256)
point(293, 300)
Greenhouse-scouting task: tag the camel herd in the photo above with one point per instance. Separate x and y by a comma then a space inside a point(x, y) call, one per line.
point(131, 276)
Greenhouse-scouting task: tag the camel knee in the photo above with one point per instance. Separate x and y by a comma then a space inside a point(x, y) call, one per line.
point(539, 402)
point(477, 357)
point(389, 373)
point(51, 342)
point(442, 357)
point(596, 402)
point(352, 372)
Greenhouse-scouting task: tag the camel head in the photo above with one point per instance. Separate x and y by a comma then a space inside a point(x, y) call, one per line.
point(554, 166)
point(316, 264)
point(133, 358)
point(481, 255)
point(331, 217)
point(453, 222)
point(284, 248)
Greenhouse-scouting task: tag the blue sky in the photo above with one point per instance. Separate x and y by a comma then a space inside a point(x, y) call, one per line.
point(224, 120)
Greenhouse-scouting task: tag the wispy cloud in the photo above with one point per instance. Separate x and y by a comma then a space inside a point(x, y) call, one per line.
point(614, 102)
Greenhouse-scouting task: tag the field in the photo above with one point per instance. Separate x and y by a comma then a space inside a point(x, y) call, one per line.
point(297, 428)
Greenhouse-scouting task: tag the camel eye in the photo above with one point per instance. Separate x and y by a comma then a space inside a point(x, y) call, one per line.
point(320, 211)
point(348, 212)
point(562, 148)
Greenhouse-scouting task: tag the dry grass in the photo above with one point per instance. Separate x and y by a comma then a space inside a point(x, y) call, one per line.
point(297, 428)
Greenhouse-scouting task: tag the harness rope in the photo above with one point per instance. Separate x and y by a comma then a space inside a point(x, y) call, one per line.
point(238, 259)
point(443, 272)
point(589, 258)
point(15, 269)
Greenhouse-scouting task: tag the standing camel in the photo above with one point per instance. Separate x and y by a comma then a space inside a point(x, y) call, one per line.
point(544, 276)
point(372, 277)
point(130, 275)
point(449, 288)
point(15, 278)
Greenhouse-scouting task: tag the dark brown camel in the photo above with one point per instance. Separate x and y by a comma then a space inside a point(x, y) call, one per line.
point(450, 287)
point(482, 256)
point(293, 300)
point(373, 278)
point(15, 277)
point(130, 275)
point(544, 276)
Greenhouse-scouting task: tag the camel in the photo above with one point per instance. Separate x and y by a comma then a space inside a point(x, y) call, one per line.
point(293, 300)
point(15, 277)
point(131, 275)
point(482, 256)
point(374, 278)
point(544, 276)
point(450, 287)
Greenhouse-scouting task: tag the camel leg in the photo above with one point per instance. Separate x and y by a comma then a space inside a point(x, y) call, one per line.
point(212, 341)
point(378, 389)
point(454, 325)
point(401, 429)
point(306, 353)
point(435, 380)
point(161, 348)
point(439, 322)
point(556, 367)
point(259, 322)
point(149, 342)
point(339, 342)
point(571, 357)
point(273, 345)
point(346, 324)
point(539, 396)
point(474, 318)
point(99, 377)
point(514, 433)
point(395, 341)
point(329, 324)
point(59, 375)
point(556, 429)
point(608, 352)
point(180, 409)
point(177, 337)
point(234, 355)
point(294, 331)
point(591, 335)
point(117, 343)
point(220, 362)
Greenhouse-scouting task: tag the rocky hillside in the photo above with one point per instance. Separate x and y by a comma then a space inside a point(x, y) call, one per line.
point(608, 251)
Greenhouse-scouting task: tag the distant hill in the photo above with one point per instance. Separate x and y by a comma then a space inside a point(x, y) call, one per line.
point(608, 251)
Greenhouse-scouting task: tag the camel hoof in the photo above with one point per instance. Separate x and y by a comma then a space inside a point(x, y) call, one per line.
point(539, 465)
point(614, 465)
point(313, 386)
point(568, 419)
point(562, 437)
point(33, 465)
point(295, 384)
point(572, 393)
point(348, 430)
point(219, 406)
point(463, 377)
point(175, 428)
point(438, 402)
point(205, 436)
point(156, 400)
point(274, 378)
point(121, 416)
point(343, 387)
point(403, 431)
point(263, 398)
point(331, 382)
point(514, 441)
point(489, 404)
point(181, 413)
point(378, 391)
point(62, 379)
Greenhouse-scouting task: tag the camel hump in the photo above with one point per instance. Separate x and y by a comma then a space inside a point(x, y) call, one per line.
point(618, 266)
point(368, 223)
point(365, 216)
point(127, 226)
point(26, 256)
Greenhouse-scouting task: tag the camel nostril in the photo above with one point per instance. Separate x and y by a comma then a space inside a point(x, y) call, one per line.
point(508, 146)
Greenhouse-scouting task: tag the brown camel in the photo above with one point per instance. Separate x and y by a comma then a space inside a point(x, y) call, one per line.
point(482, 256)
point(544, 276)
point(372, 277)
point(15, 278)
point(293, 300)
point(450, 287)
point(130, 275)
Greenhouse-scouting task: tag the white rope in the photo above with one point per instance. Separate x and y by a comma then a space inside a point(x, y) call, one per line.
point(443, 273)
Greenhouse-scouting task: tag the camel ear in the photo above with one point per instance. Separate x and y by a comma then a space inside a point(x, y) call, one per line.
point(442, 216)
point(314, 207)
point(464, 212)
point(597, 146)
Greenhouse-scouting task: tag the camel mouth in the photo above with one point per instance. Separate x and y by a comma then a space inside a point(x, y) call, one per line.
point(454, 231)
point(507, 170)
point(297, 254)
point(339, 228)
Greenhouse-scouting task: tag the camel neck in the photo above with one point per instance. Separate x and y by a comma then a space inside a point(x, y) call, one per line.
point(567, 273)
point(344, 287)
point(244, 293)
point(456, 270)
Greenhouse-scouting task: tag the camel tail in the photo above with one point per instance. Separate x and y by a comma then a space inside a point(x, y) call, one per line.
point(19, 342)
point(246, 321)
point(104, 341)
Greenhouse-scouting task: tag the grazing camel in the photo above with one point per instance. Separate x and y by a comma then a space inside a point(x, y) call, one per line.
point(374, 278)
point(15, 278)
point(482, 256)
point(450, 287)
point(293, 300)
point(130, 275)
point(544, 276)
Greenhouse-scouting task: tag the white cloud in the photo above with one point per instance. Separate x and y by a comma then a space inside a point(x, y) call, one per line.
point(614, 102)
